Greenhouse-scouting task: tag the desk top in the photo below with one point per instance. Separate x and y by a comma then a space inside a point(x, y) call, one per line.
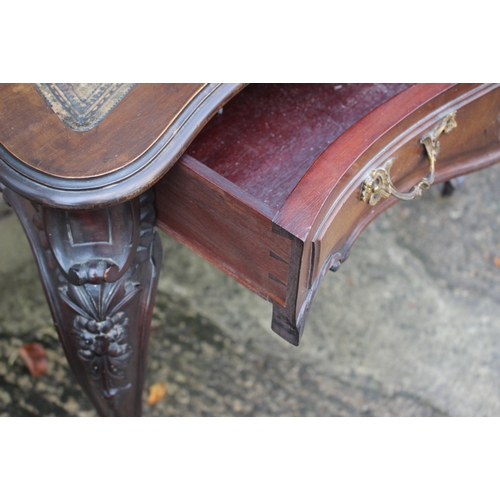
point(82, 139)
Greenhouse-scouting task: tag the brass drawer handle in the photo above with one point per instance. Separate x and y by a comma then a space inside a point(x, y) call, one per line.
point(378, 184)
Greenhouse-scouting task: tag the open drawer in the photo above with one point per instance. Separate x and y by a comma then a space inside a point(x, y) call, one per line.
point(279, 184)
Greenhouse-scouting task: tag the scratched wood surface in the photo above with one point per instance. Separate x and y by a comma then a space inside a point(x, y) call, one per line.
point(32, 132)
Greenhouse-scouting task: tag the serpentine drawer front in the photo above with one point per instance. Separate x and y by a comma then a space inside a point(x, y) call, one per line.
point(270, 183)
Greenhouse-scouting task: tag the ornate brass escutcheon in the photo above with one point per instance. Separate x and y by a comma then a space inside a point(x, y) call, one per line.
point(378, 184)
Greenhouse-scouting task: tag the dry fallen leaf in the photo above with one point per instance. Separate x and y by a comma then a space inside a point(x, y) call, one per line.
point(496, 260)
point(157, 392)
point(34, 358)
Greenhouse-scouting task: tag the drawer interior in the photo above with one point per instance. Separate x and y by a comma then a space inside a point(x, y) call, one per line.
point(222, 196)
point(268, 135)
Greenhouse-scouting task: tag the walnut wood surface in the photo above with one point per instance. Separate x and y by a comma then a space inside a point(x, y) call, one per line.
point(225, 225)
point(121, 157)
point(269, 135)
point(32, 132)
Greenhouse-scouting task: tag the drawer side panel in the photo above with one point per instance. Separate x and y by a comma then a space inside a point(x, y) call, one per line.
point(224, 225)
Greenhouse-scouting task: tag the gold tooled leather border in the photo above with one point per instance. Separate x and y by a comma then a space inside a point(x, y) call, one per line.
point(81, 106)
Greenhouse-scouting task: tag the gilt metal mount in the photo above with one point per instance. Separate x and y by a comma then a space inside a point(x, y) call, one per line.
point(379, 185)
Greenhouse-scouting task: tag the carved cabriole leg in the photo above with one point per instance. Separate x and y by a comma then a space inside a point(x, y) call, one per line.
point(99, 270)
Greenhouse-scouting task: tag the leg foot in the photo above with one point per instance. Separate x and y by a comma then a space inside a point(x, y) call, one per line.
point(450, 186)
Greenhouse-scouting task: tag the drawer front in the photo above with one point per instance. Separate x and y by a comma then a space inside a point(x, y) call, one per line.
point(404, 164)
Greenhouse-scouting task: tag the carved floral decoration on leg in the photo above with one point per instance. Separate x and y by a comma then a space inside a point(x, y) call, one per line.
point(100, 329)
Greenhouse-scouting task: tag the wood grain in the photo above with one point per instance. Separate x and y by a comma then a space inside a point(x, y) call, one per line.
point(99, 186)
point(225, 225)
point(32, 132)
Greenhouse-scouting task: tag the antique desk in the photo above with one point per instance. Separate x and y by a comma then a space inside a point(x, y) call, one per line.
point(270, 183)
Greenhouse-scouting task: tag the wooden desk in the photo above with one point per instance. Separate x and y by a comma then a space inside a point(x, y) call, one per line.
point(273, 190)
